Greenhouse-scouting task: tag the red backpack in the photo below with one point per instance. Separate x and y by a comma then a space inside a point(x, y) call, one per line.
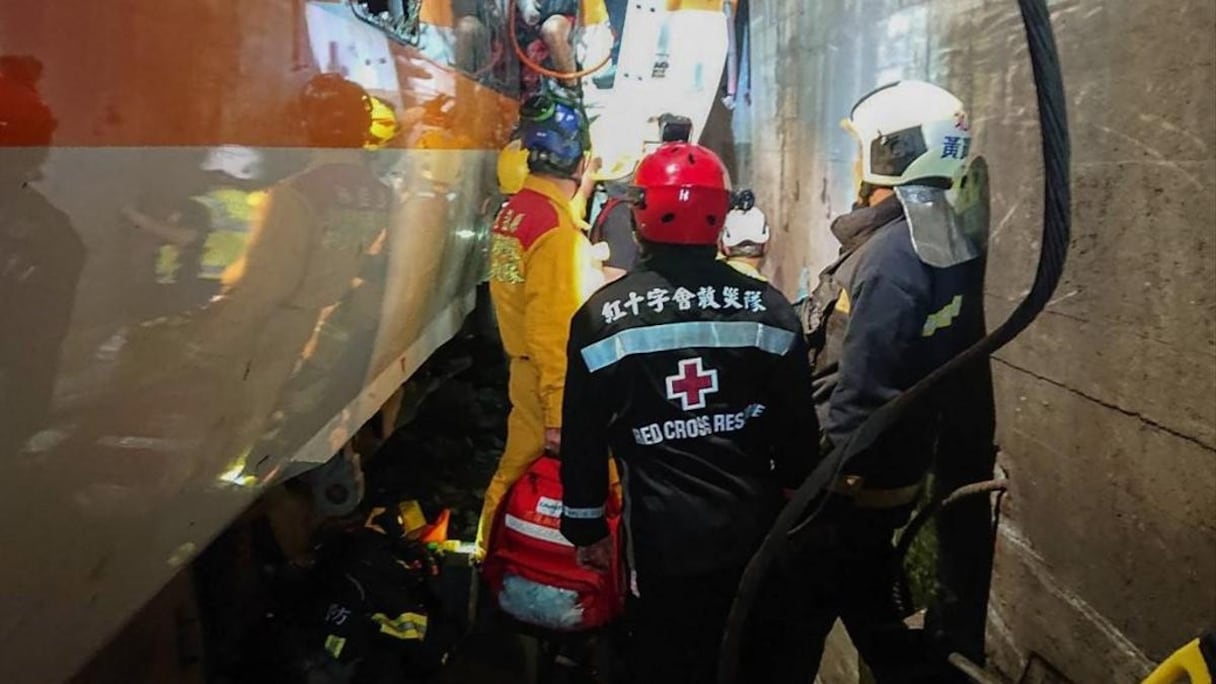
point(531, 568)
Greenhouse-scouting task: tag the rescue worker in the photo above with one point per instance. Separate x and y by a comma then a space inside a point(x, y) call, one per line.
point(512, 170)
point(881, 319)
point(616, 10)
point(199, 239)
point(613, 228)
point(613, 224)
point(695, 377)
point(540, 272)
point(472, 43)
point(544, 29)
point(323, 228)
point(41, 259)
point(744, 239)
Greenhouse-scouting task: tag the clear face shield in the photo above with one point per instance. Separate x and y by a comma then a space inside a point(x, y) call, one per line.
point(949, 227)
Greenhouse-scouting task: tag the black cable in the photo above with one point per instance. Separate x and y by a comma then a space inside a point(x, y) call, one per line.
point(1053, 126)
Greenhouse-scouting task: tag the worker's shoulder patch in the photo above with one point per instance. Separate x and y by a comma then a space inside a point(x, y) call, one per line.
point(527, 217)
point(843, 304)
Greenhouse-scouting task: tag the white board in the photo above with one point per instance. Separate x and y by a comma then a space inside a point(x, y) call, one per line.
point(670, 62)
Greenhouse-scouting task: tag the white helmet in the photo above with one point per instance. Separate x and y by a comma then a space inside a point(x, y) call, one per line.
point(910, 131)
point(237, 161)
point(743, 229)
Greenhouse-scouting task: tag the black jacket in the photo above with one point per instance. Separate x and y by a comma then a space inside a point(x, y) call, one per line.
point(879, 321)
point(695, 377)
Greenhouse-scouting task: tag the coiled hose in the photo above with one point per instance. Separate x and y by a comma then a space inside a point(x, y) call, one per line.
point(1053, 124)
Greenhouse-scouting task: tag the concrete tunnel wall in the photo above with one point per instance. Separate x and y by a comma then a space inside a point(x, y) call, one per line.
point(1106, 553)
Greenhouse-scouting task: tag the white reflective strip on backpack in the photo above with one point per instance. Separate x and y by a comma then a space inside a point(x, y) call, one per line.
point(583, 513)
point(534, 531)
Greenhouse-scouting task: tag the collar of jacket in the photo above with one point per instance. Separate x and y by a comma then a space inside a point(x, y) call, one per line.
point(553, 192)
point(855, 227)
point(656, 256)
point(742, 266)
point(746, 269)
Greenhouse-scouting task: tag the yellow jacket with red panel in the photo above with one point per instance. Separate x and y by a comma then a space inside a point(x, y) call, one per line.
point(540, 273)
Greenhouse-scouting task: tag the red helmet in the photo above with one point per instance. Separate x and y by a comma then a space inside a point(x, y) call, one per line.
point(681, 195)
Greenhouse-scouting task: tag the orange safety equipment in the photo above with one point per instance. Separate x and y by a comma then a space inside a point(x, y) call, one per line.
point(533, 571)
point(681, 194)
point(540, 273)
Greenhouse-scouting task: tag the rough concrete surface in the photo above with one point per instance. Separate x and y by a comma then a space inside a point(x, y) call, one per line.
point(1106, 560)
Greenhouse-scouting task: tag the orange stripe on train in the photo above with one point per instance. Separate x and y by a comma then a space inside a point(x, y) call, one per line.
point(149, 73)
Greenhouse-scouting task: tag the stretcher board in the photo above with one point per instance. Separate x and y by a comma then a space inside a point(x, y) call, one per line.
point(351, 48)
point(670, 61)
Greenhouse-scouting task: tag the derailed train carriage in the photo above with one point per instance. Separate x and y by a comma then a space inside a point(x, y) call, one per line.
point(230, 232)
point(211, 281)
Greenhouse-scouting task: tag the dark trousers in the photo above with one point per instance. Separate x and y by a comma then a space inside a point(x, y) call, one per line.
point(847, 563)
point(676, 629)
point(676, 626)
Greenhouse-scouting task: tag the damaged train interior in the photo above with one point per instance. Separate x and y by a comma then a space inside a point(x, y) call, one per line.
point(254, 389)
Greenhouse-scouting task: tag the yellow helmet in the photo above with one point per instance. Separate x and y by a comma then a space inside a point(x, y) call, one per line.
point(512, 168)
point(384, 125)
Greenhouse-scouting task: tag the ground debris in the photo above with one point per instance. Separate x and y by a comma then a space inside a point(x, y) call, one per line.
point(445, 456)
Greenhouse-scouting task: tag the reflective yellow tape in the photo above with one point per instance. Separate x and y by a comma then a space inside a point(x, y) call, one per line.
point(843, 305)
point(412, 517)
point(334, 645)
point(944, 318)
point(407, 626)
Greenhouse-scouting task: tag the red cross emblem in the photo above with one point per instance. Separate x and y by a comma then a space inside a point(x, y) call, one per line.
point(692, 384)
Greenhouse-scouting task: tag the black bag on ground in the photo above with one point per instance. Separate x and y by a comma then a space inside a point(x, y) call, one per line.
point(378, 607)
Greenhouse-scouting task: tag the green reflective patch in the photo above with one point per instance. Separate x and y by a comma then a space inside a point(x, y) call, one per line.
point(334, 645)
point(407, 626)
point(168, 263)
point(944, 318)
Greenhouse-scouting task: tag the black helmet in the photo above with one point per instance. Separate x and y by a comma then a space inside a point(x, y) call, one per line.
point(337, 111)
